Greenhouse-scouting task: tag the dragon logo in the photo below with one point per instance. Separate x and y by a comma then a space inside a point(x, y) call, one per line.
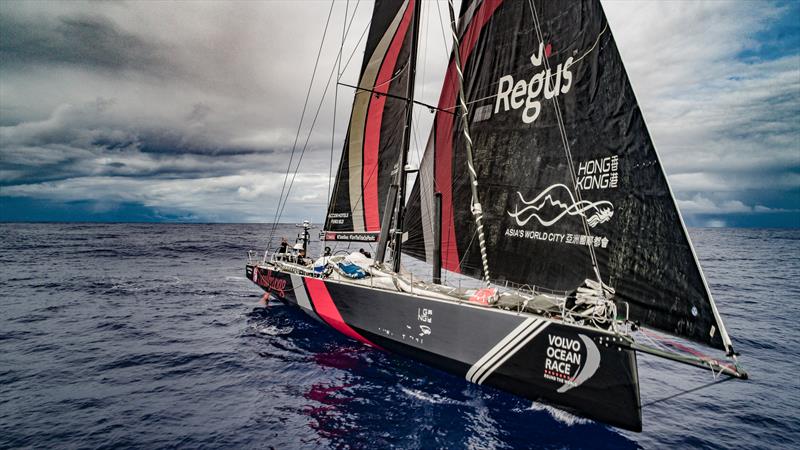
point(537, 208)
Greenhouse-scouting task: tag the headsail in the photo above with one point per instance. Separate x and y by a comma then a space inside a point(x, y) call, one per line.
point(570, 182)
point(374, 135)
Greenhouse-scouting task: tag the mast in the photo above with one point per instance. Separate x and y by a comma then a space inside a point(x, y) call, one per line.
point(437, 238)
point(560, 143)
point(375, 131)
point(406, 143)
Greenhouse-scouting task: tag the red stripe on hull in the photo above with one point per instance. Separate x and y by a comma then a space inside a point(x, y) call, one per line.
point(444, 135)
point(372, 132)
point(326, 309)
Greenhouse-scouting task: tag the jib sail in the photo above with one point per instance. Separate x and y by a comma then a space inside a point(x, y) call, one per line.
point(373, 143)
point(570, 183)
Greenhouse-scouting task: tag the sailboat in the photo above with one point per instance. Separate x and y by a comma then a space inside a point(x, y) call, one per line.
point(539, 181)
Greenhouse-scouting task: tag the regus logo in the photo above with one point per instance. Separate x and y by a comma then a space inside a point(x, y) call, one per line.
point(511, 94)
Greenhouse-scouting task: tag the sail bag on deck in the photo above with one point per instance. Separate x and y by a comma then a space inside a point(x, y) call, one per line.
point(570, 183)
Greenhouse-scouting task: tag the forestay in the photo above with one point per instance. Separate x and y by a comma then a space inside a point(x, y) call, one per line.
point(569, 179)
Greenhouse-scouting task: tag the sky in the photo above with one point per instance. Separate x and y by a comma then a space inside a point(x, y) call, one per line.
point(188, 112)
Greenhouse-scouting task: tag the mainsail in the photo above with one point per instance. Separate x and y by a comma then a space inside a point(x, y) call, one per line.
point(570, 182)
point(373, 144)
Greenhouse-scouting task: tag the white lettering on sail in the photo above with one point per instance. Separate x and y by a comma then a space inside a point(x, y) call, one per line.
point(557, 201)
point(511, 93)
point(558, 238)
point(598, 173)
point(335, 218)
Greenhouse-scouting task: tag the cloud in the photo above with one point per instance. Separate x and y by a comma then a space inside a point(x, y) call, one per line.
point(196, 110)
point(93, 140)
point(124, 102)
point(703, 205)
point(240, 197)
point(721, 103)
point(715, 223)
point(83, 40)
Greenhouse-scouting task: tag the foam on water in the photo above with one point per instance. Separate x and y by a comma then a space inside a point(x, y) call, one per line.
point(430, 398)
point(273, 330)
point(141, 335)
point(561, 416)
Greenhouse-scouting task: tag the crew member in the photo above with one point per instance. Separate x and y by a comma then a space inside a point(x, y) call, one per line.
point(298, 247)
point(284, 246)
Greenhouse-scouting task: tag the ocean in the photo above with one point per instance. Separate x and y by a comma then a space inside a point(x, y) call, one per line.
point(149, 335)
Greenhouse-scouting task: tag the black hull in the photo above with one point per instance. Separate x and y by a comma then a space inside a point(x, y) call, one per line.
point(581, 370)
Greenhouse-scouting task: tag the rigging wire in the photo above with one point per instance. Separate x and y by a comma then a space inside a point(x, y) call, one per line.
point(397, 74)
point(308, 138)
point(567, 150)
point(425, 11)
point(688, 391)
point(575, 61)
point(355, 48)
point(442, 27)
point(363, 33)
point(284, 198)
point(477, 210)
point(415, 124)
point(299, 127)
point(654, 342)
point(336, 100)
point(435, 184)
point(421, 175)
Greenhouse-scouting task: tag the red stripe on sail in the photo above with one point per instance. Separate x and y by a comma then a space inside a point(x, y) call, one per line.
point(372, 131)
point(444, 134)
point(326, 309)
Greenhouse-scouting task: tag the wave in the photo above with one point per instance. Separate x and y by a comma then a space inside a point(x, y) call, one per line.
point(430, 398)
point(559, 415)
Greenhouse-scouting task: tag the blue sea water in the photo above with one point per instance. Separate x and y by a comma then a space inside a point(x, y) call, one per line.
point(148, 335)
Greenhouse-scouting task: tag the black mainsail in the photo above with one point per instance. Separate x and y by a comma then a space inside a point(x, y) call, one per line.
point(570, 182)
point(373, 144)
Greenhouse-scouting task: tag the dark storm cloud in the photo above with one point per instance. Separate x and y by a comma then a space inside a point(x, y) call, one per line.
point(83, 40)
point(83, 141)
point(195, 109)
point(164, 106)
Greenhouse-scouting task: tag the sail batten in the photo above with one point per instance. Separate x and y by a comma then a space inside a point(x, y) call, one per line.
point(570, 182)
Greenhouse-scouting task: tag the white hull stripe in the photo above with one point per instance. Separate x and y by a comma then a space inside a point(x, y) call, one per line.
point(509, 343)
point(499, 347)
point(300, 292)
point(512, 352)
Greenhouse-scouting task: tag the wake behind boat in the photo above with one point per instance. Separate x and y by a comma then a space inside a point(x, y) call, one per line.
point(540, 180)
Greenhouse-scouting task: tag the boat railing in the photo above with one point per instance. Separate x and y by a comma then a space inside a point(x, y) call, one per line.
point(254, 257)
point(602, 315)
point(287, 261)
